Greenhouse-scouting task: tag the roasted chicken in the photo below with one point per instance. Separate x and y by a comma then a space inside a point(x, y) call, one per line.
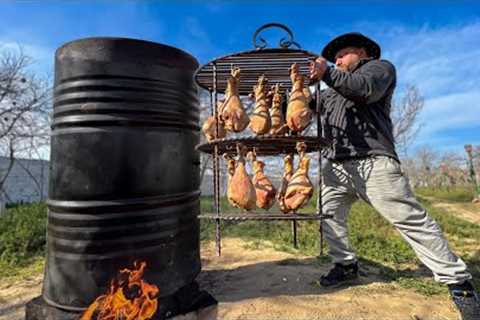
point(299, 114)
point(264, 188)
point(241, 192)
point(300, 188)
point(287, 175)
point(230, 171)
point(208, 127)
point(279, 126)
point(260, 122)
point(233, 114)
point(307, 94)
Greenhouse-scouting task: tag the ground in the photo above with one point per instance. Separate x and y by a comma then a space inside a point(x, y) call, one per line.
point(467, 211)
point(255, 281)
point(267, 284)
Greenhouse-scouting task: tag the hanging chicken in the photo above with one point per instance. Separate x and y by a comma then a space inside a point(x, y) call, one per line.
point(308, 94)
point(230, 172)
point(260, 122)
point(287, 175)
point(241, 192)
point(208, 127)
point(300, 188)
point(264, 189)
point(278, 120)
point(299, 114)
point(233, 114)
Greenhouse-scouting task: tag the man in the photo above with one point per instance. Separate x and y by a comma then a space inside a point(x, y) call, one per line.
point(362, 164)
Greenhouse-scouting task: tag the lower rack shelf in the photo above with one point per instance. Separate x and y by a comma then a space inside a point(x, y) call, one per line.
point(265, 216)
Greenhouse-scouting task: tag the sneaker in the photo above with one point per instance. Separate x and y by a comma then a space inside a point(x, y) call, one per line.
point(466, 299)
point(339, 275)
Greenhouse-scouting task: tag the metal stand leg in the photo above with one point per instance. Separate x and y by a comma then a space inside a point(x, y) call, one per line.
point(218, 241)
point(321, 237)
point(217, 204)
point(216, 165)
point(320, 133)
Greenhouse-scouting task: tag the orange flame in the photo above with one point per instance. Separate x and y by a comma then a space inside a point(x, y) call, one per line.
point(129, 298)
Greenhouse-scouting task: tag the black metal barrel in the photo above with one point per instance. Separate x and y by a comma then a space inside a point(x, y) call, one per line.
point(124, 178)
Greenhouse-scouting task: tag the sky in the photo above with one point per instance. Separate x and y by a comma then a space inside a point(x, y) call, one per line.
point(435, 45)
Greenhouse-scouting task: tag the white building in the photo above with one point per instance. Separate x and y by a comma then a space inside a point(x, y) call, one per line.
point(27, 181)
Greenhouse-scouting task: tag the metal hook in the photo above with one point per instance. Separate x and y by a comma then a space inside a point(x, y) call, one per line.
point(284, 43)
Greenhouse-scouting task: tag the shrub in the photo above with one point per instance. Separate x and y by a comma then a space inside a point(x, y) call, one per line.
point(23, 233)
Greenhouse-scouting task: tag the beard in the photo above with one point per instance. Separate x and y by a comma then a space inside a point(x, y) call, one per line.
point(349, 63)
point(348, 67)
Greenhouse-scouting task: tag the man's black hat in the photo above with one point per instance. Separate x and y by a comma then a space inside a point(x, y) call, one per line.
point(351, 39)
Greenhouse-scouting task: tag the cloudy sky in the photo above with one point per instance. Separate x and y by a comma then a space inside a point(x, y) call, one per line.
point(434, 45)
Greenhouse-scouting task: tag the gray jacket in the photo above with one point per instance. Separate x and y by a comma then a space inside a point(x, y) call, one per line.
point(356, 110)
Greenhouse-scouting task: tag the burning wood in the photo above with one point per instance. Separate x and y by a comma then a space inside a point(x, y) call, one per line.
point(129, 298)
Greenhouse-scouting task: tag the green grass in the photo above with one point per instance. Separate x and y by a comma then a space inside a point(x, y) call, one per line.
point(454, 194)
point(378, 244)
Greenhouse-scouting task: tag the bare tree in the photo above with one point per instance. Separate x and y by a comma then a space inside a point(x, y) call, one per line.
point(450, 170)
point(24, 111)
point(405, 118)
point(425, 169)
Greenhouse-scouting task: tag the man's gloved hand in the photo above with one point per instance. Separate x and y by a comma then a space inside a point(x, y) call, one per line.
point(317, 69)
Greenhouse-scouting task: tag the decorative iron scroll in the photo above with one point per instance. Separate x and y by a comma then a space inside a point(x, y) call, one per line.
point(284, 43)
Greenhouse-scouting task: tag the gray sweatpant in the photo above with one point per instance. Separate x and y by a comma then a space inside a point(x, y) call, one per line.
point(379, 181)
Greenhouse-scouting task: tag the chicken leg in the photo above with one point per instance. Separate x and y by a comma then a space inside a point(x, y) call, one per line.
point(264, 189)
point(208, 127)
point(287, 175)
point(233, 114)
point(300, 188)
point(299, 114)
point(278, 120)
point(260, 121)
point(241, 192)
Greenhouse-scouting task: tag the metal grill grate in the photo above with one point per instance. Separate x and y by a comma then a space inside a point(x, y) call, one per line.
point(265, 216)
point(266, 145)
point(274, 63)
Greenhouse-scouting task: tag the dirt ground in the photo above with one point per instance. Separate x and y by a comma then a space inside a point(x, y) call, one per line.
point(469, 212)
point(264, 283)
point(268, 284)
point(458, 211)
point(14, 295)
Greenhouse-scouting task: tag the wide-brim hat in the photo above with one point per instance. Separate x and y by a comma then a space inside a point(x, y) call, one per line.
point(351, 39)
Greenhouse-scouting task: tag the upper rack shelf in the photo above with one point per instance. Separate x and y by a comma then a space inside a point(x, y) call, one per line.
point(273, 63)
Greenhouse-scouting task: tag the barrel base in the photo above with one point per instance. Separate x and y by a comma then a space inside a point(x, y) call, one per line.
point(188, 303)
point(37, 309)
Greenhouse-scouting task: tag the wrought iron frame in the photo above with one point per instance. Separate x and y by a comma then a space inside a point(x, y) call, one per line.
point(274, 62)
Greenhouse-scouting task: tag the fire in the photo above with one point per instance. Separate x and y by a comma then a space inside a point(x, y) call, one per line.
point(129, 298)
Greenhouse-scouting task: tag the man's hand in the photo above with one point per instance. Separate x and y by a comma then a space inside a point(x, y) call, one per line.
point(317, 69)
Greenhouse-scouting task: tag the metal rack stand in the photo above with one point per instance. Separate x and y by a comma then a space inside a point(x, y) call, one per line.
point(274, 64)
